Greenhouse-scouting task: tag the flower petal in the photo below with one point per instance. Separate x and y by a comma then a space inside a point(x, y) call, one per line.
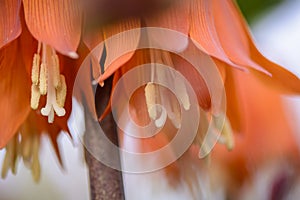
point(234, 111)
point(14, 87)
point(203, 32)
point(174, 17)
point(93, 39)
point(118, 48)
point(239, 46)
point(230, 30)
point(195, 79)
point(267, 132)
point(10, 26)
point(56, 23)
point(139, 57)
point(281, 79)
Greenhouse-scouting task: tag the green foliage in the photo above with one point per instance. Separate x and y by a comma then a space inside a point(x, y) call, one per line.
point(252, 9)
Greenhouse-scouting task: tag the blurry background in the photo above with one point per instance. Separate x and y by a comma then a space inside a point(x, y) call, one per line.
point(276, 28)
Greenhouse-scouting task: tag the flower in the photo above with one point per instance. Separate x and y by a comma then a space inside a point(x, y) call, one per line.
point(39, 38)
point(253, 84)
point(38, 42)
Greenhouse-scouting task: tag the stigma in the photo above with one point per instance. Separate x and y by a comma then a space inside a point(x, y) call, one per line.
point(47, 80)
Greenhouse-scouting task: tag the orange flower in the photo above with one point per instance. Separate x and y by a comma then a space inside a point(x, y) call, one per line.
point(32, 33)
point(29, 43)
point(253, 83)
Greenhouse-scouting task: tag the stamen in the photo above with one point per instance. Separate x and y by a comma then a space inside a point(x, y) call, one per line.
point(162, 119)
point(61, 92)
point(56, 73)
point(35, 69)
point(35, 97)
point(179, 84)
point(49, 83)
point(150, 100)
point(43, 79)
point(227, 135)
point(35, 166)
point(10, 158)
point(26, 147)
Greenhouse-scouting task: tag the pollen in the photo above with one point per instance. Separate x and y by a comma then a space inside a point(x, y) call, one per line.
point(227, 135)
point(47, 80)
point(61, 92)
point(43, 79)
point(150, 100)
point(35, 69)
point(35, 97)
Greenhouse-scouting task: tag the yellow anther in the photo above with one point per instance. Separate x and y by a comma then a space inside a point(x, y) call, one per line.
point(35, 165)
point(35, 97)
point(43, 79)
point(227, 137)
point(150, 95)
point(176, 114)
point(56, 72)
point(184, 98)
point(26, 147)
point(61, 92)
point(35, 69)
point(10, 158)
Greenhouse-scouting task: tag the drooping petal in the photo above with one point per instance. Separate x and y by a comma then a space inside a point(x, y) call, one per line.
point(231, 35)
point(239, 46)
point(281, 79)
point(56, 23)
point(10, 26)
point(203, 32)
point(28, 45)
point(195, 79)
point(15, 89)
point(119, 49)
point(234, 111)
point(93, 39)
point(174, 17)
point(267, 133)
point(139, 57)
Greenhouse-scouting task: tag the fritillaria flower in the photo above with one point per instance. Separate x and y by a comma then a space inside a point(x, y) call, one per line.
point(253, 84)
point(38, 42)
point(37, 37)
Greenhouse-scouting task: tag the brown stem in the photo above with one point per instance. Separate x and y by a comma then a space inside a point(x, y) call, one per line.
point(105, 183)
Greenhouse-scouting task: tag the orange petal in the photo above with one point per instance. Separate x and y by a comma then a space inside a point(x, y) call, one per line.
point(93, 39)
point(267, 134)
point(15, 89)
point(118, 49)
point(231, 34)
point(281, 79)
point(195, 79)
point(239, 46)
point(57, 23)
point(28, 45)
point(139, 57)
point(203, 32)
point(10, 26)
point(234, 111)
point(174, 17)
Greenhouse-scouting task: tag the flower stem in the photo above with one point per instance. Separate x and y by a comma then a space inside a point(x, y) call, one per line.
point(105, 182)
